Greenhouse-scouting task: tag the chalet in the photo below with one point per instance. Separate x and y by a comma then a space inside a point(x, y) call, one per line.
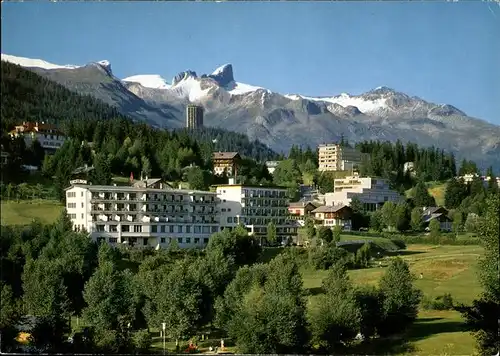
point(302, 208)
point(439, 213)
point(334, 215)
point(151, 183)
point(49, 136)
point(226, 162)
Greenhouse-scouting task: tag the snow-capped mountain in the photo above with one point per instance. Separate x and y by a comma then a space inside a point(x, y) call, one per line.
point(280, 120)
point(153, 81)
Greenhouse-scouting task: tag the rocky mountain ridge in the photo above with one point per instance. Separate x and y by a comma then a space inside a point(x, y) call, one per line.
point(282, 120)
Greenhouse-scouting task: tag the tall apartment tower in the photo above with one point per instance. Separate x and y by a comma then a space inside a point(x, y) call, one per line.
point(334, 157)
point(194, 116)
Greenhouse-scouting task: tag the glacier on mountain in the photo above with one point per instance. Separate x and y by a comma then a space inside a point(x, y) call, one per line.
point(153, 81)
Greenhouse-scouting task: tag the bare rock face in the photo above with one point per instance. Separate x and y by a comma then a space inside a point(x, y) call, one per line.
point(223, 75)
point(183, 75)
point(281, 121)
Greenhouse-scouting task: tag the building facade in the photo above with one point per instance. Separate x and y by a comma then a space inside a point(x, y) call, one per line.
point(49, 136)
point(437, 213)
point(255, 207)
point(226, 162)
point(336, 215)
point(372, 192)
point(194, 116)
point(143, 216)
point(334, 157)
point(302, 208)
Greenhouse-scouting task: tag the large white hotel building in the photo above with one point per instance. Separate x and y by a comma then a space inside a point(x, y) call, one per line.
point(143, 216)
point(255, 207)
point(372, 192)
point(152, 214)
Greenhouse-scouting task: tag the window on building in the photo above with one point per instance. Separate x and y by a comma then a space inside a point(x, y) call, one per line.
point(82, 204)
point(113, 228)
point(162, 240)
point(188, 229)
point(171, 228)
point(81, 194)
point(206, 229)
point(113, 240)
point(82, 215)
point(179, 240)
point(137, 228)
point(188, 240)
point(162, 229)
point(179, 228)
point(154, 228)
point(196, 240)
point(214, 228)
point(229, 219)
point(197, 229)
point(125, 228)
point(145, 241)
point(100, 228)
point(71, 205)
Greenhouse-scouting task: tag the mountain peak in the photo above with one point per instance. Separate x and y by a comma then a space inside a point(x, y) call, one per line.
point(223, 75)
point(183, 75)
point(382, 90)
point(106, 65)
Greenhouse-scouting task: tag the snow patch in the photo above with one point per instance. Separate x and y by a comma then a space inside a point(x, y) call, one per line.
point(220, 70)
point(38, 63)
point(189, 88)
point(241, 88)
point(346, 100)
point(153, 81)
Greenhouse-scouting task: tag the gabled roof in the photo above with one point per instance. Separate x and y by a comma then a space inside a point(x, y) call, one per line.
point(430, 217)
point(83, 169)
point(330, 208)
point(302, 204)
point(146, 183)
point(433, 210)
point(225, 155)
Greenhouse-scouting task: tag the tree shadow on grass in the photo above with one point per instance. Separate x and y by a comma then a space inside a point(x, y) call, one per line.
point(403, 253)
point(315, 291)
point(403, 344)
point(385, 346)
point(424, 328)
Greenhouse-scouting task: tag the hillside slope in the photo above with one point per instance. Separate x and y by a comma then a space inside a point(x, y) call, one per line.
point(280, 120)
point(27, 96)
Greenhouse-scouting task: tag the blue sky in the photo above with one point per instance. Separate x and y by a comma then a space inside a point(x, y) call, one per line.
point(442, 52)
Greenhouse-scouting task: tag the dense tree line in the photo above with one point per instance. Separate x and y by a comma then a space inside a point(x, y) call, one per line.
point(386, 160)
point(113, 143)
point(52, 274)
point(482, 315)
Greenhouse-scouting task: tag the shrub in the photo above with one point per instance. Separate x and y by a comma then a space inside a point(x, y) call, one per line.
point(399, 243)
point(143, 340)
point(442, 302)
point(323, 257)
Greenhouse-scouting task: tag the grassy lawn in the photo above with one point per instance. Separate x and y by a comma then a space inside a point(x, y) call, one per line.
point(24, 211)
point(436, 189)
point(445, 269)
